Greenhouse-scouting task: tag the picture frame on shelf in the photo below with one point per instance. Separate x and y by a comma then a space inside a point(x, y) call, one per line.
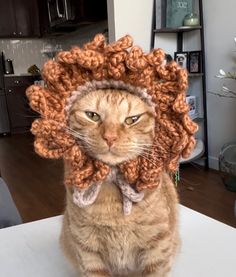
point(192, 102)
point(176, 11)
point(182, 59)
point(195, 62)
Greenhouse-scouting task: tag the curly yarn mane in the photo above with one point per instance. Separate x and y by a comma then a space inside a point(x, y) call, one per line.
point(165, 84)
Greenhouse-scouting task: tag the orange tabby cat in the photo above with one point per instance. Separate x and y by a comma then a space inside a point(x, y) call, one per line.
point(114, 126)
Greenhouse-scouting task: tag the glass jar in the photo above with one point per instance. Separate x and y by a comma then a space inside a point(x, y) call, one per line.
point(227, 165)
point(191, 19)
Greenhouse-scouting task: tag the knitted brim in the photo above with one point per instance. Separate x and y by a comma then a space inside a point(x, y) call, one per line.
point(116, 64)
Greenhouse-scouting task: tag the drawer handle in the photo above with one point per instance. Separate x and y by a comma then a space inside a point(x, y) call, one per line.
point(9, 90)
point(17, 82)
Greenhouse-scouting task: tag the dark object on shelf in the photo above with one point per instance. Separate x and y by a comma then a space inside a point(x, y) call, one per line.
point(168, 58)
point(179, 31)
point(8, 66)
point(182, 59)
point(195, 62)
point(33, 69)
point(227, 165)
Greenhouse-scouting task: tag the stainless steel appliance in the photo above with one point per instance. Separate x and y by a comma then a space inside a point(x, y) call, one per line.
point(69, 13)
point(4, 119)
point(60, 12)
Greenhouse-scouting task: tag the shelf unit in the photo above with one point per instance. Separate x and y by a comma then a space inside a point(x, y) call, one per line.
point(180, 31)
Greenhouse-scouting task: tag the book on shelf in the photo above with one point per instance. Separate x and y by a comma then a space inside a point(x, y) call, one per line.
point(160, 14)
point(176, 10)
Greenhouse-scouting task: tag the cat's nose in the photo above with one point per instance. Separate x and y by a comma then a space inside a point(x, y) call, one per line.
point(110, 138)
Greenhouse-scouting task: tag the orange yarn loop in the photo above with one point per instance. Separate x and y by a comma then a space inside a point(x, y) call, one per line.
point(165, 83)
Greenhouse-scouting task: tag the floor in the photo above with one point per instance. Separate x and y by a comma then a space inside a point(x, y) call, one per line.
point(36, 184)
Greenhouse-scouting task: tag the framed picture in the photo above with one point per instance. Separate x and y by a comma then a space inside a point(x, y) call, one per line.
point(176, 10)
point(195, 62)
point(182, 59)
point(192, 102)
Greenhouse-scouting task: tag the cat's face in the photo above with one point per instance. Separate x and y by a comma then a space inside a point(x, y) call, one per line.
point(113, 125)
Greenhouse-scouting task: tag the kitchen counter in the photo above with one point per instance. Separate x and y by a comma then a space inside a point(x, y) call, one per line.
point(21, 75)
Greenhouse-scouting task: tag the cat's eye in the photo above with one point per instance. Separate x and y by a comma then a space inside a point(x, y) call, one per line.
point(94, 116)
point(132, 119)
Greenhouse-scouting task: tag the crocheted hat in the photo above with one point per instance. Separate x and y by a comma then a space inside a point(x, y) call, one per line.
point(116, 65)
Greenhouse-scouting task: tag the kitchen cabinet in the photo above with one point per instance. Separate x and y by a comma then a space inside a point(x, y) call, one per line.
point(20, 114)
point(36, 18)
point(19, 18)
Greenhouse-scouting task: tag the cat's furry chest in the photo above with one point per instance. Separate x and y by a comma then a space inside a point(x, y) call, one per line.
point(121, 240)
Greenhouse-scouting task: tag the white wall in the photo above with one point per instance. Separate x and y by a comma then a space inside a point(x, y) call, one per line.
point(133, 17)
point(220, 29)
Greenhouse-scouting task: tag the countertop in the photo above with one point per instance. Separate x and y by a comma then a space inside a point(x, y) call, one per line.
point(21, 75)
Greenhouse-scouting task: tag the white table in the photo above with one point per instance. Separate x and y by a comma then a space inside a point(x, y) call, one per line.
point(32, 250)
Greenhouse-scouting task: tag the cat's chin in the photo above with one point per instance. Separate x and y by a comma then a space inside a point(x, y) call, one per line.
point(110, 158)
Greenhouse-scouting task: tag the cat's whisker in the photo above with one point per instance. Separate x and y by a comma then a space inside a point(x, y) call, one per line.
point(147, 150)
point(86, 140)
point(80, 136)
point(74, 131)
point(137, 147)
point(142, 154)
point(148, 159)
point(142, 149)
point(159, 149)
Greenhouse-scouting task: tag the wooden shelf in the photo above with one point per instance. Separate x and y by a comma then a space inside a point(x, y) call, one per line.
point(200, 78)
point(198, 119)
point(177, 30)
point(191, 75)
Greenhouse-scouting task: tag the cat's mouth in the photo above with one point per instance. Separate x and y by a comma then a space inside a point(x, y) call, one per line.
point(110, 157)
point(113, 157)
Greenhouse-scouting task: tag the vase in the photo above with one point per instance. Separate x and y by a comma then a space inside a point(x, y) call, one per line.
point(227, 165)
point(191, 19)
